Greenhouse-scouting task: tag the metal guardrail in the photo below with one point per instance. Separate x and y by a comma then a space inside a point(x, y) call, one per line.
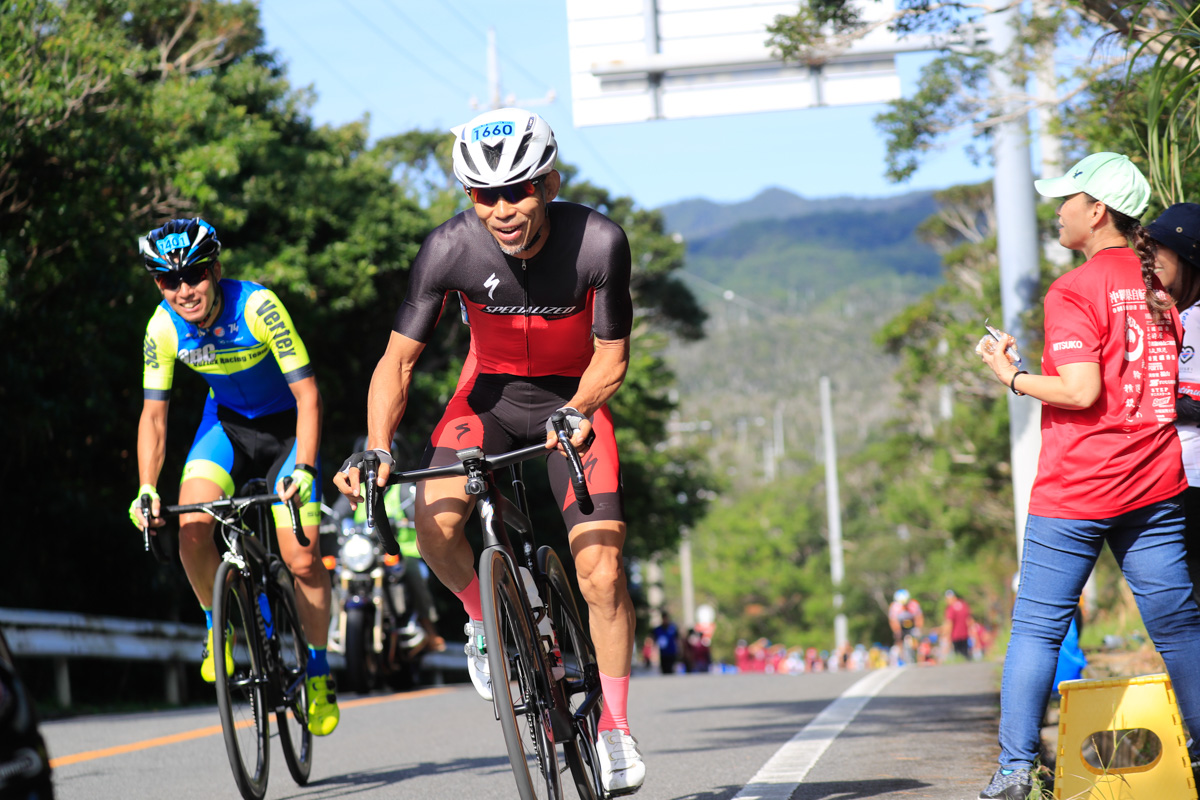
point(62, 636)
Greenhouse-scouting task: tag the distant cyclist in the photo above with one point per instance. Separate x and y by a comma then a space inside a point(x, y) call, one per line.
point(262, 417)
point(906, 621)
point(545, 287)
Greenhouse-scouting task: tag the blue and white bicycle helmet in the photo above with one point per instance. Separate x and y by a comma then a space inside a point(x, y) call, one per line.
point(179, 244)
point(503, 146)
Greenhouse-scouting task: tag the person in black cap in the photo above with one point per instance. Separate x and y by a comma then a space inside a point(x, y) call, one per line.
point(1177, 234)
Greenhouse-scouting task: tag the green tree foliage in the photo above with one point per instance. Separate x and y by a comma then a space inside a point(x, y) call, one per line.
point(119, 115)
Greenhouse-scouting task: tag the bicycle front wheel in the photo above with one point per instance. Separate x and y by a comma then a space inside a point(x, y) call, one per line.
point(291, 713)
point(241, 694)
point(581, 680)
point(520, 685)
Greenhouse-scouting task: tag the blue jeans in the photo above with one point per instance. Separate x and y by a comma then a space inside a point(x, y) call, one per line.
point(1057, 559)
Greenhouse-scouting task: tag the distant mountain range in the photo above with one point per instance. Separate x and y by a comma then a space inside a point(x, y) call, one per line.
point(699, 218)
point(796, 289)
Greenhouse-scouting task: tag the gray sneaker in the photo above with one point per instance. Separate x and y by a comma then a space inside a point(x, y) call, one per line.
point(477, 659)
point(1008, 784)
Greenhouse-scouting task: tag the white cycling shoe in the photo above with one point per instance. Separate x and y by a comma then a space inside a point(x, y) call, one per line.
point(477, 659)
point(622, 770)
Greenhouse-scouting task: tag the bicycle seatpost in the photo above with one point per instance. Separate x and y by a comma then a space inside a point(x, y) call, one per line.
point(583, 498)
point(294, 513)
point(378, 522)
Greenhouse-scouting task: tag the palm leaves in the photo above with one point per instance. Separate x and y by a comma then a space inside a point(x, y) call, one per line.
point(1170, 84)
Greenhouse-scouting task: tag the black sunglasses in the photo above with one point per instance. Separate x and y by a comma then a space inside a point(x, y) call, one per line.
point(192, 276)
point(512, 193)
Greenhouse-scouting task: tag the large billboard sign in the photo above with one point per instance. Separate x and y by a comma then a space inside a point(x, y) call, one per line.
point(637, 60)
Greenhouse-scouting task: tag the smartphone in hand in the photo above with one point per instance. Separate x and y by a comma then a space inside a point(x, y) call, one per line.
point(1013, 354)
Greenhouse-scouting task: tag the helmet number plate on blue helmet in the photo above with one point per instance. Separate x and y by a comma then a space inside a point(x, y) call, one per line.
point(491, 129)
point(173, 241)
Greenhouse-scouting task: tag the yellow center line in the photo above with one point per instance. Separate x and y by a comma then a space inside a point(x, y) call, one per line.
point(214, 730)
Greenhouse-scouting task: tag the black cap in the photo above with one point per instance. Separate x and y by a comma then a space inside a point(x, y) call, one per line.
point(1179, 229)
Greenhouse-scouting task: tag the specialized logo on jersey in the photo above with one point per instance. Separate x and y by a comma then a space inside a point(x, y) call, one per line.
point(150, 352)
point(199, 356)
point(589, 465)
point(463, 430)
point(280, 334)
point(1135, 340)
point(490, 284)
point(532, 311)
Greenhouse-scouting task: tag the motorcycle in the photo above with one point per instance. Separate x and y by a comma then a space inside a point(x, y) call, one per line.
point(376, 628)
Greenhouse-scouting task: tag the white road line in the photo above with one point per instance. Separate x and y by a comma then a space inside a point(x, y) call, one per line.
point(784, 771)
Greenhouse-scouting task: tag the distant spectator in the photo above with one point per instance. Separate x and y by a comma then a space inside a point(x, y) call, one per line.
point(666, 637)
point(697, 654)
point(958, 623)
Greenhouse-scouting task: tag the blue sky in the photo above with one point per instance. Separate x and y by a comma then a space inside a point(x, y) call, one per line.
point(417, 65)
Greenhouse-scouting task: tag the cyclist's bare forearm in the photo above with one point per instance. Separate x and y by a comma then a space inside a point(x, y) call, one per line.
point(388, 396)
point(309, 411)
point(152, 441)
point(603, 377)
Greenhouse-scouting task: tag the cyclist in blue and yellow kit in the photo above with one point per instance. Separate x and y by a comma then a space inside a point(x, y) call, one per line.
point(262, 416)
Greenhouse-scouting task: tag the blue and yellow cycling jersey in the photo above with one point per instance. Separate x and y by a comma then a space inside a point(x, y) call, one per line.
point(248, 356)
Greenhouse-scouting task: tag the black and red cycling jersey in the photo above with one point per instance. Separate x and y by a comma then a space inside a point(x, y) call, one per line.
point(528, 317)
point(532, 327)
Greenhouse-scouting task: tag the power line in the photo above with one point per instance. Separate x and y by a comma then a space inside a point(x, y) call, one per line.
point(454, 58)
point(603, 164)
point(509, 59)
point(367, 102)
point(400, 49)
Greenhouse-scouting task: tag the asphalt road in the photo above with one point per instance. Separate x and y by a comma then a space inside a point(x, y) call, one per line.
point(908, 733)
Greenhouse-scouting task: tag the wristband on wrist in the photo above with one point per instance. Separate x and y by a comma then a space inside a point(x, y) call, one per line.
point(1012, 383)
point(309, 468)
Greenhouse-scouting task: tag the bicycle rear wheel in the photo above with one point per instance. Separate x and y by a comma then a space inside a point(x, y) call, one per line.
point(291, 713)
point(241, 696)
point(520, 685)
point(581, 682)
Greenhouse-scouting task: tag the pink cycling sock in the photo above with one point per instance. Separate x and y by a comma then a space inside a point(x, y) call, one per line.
point(470, 599)
point(616, 700)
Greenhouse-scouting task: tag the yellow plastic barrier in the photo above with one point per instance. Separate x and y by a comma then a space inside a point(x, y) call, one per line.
point(1121, 704)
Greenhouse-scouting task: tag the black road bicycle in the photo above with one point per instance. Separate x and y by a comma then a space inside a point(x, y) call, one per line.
point(254, 610)
point(543, 718)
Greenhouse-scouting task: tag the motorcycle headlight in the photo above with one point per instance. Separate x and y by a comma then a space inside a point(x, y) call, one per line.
point(358, 553)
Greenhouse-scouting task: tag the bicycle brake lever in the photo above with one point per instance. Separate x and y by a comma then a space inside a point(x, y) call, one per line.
point(583, 498)
point(150, 540)
point(377, 522)
point(294, 513)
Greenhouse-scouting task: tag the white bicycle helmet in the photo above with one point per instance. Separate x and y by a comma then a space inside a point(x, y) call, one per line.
point(507, 145)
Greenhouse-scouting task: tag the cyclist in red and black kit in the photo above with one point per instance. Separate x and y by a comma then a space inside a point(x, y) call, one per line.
point(545, 287)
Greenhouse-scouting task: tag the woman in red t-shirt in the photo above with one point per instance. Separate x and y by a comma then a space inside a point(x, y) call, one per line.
point(1110, 468)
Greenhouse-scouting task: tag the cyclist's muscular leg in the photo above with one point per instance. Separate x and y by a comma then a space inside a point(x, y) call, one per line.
point(312, 582)
point(196, 549)
point(596, 547)
point(442, 509)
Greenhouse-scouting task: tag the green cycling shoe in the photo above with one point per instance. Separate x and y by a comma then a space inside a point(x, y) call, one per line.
point(323, 713)
point(208, 666)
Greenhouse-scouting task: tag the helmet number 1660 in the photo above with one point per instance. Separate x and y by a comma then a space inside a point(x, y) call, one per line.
point(491, 129)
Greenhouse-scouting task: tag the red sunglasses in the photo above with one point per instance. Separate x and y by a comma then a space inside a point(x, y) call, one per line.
point(512, 193)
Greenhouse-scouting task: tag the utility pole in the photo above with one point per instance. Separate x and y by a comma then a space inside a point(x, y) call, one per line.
point(833, 505)
point(1017, 244)
point(496, 97)
point(685, 578)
